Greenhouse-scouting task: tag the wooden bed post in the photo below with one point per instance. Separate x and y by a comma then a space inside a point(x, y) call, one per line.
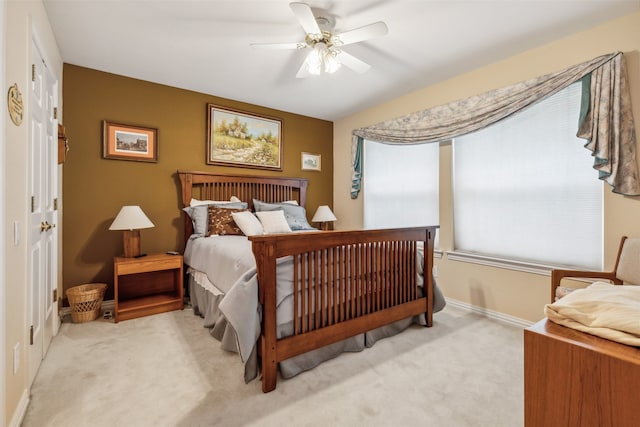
point(303, 193)
point(428, 274)
point(266, 268)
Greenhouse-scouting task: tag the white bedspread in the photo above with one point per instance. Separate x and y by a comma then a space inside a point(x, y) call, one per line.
point(229, 264)
point(224, 259)
point(602, 309)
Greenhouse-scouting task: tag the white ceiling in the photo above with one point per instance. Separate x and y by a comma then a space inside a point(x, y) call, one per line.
point(204, 45)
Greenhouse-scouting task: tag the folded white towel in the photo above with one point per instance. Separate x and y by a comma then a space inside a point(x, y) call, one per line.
point(602, 309)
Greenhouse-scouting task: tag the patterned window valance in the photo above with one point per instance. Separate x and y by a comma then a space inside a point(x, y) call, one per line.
point(606, 120)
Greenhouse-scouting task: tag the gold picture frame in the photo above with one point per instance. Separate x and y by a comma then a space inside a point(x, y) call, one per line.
point(129, 142)
point(242, 139)
point(311, 162)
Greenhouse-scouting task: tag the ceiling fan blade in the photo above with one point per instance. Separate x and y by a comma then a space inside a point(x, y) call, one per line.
point(305, 16)
point(278, 46)
point(303, 71)
point(370, 31)
point(352, 62)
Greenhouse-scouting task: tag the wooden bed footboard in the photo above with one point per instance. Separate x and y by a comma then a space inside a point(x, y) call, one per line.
point(345, 283)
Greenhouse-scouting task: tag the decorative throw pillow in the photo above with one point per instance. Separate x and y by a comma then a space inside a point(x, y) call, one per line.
point(248, 223)
point(221, 222)
point(196, 202)
point(198, 214)
point(295, 215)
point(232, 199)
point(273, 222)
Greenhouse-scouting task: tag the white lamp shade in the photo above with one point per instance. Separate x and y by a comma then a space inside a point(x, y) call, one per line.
point(323, 214)
point(131, 218)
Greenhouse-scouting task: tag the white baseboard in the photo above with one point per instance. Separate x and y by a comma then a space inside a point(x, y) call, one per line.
point(106, 305)
point(21, 410)
point(496, 315)
point(505, 318)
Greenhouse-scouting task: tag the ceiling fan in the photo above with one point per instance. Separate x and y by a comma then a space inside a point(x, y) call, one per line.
point(326, 53)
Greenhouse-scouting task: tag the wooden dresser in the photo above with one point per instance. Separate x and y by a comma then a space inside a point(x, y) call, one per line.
point(576, 379)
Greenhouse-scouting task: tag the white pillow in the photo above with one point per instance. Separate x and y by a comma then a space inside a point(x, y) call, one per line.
point(196, 202)
point(233, 199)
point(248, 223)
point(273, 222)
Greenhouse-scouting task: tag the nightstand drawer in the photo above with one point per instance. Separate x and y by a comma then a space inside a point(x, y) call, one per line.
point(147, 264)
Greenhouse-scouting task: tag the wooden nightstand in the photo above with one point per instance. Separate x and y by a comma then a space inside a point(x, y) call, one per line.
point(147, 285)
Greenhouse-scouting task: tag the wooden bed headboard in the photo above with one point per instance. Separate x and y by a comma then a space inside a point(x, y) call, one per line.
point(211, 186)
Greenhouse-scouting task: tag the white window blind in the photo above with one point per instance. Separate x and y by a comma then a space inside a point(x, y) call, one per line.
point(400, 185)
point(525, 188)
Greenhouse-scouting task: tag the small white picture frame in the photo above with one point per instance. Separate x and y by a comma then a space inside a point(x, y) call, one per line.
point(311, 162)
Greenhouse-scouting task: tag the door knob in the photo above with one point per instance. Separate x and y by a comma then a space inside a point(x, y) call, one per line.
point(45, 226)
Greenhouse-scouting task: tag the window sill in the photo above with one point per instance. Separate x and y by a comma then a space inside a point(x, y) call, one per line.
point(527, 267)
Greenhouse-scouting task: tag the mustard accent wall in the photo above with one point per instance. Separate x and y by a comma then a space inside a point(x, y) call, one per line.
point(95, 188)
point(513, 293)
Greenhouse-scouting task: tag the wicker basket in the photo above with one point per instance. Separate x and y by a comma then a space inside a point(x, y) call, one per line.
point(85, 301)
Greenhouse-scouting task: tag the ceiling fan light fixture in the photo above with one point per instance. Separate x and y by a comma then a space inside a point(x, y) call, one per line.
point(315, 59)
point(322, 58)
point(331, 63)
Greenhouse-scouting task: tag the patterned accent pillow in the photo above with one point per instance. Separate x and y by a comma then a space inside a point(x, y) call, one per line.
point(199, 214)
point(220, 222)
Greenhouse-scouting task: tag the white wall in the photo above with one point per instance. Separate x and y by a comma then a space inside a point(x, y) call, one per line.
point(25, 20)
point(3, 124)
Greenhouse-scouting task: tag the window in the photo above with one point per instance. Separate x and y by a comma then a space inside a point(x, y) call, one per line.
point(400, 185)
point(525, 189)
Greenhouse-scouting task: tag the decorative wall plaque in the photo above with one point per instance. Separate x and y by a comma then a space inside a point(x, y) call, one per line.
point(14, 102)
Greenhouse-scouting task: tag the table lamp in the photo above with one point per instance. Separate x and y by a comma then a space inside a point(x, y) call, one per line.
point(323, 215)
point(131, 219)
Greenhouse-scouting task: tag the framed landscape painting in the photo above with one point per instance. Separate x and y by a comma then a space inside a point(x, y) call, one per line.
point(129, 142)
point(237, 138)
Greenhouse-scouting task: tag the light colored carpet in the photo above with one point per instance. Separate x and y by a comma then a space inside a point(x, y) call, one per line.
point(165, 370)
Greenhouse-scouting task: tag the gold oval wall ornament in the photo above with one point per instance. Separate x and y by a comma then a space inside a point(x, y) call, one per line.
point(14, 102)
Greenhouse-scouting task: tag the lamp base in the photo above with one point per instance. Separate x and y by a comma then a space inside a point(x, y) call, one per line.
point(131, 240)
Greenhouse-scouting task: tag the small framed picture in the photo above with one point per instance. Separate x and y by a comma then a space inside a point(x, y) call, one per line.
point(311, 162)
point(129, 142)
